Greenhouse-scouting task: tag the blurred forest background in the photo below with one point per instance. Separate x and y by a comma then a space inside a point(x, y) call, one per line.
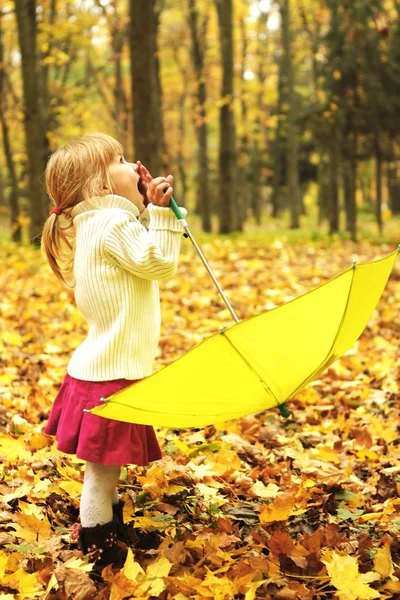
point(265, 111)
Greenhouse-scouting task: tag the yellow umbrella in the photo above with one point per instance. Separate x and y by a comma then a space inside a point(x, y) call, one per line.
point(257, 363)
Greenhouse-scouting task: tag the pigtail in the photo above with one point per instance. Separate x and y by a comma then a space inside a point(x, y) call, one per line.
point(57, 245)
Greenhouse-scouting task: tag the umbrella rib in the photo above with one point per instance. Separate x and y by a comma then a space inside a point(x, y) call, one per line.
point(252, 369)
point(311, 377)
point(160, 412)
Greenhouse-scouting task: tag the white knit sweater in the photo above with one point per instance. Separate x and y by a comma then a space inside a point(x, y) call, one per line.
point(120, 256)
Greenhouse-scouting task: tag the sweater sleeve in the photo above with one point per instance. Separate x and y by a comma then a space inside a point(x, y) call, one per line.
point(150, 254)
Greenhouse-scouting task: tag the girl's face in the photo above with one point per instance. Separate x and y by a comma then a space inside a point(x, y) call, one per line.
point(125, 179)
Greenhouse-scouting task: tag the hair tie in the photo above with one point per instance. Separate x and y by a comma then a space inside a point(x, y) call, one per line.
point(56, 211)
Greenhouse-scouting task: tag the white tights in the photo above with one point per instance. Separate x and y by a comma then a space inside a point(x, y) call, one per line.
point(99, 492)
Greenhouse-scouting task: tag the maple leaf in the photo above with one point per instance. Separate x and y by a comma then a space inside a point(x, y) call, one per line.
point(344, 574)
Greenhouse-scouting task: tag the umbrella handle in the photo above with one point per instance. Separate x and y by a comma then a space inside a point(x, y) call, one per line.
point(283, 409)
point(175, 208)
point(177, 212)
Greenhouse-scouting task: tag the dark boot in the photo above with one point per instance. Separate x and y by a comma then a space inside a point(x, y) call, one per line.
point(122, 529)
point(131, 535)
point(103, 541)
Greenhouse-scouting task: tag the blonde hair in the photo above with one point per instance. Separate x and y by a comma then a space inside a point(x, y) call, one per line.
point(76, 172)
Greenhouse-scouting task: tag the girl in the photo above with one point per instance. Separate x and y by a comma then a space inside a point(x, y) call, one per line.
point(118, 239)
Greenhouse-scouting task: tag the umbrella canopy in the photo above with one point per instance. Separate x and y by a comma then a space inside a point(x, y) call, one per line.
point(260, 362)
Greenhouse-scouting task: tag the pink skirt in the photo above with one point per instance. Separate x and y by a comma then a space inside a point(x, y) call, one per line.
point(93, 438)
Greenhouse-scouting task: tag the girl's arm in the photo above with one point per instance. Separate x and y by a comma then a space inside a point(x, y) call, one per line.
point(151, 254)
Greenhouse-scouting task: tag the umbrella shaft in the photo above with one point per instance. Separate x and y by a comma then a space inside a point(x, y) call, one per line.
point(207, 266)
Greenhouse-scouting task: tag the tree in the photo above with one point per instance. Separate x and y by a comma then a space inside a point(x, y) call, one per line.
point(147, 118)
point(227, 145)
point(198, 33)
point(292, 175)
point(34, 120)
point(13, 198)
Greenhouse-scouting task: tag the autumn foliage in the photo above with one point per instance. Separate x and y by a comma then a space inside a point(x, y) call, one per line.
point(259, 507)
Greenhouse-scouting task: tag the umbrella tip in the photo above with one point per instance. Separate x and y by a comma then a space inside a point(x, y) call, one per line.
point(283, 409)
point(354, 263)
point(398, 248)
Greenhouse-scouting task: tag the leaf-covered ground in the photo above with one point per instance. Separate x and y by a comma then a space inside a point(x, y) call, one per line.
point(259, 507)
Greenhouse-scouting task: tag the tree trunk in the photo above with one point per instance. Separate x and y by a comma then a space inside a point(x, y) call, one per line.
point(276, 195)
point(146, 114)
point(292, 133)
point(393, 188)
point(334, 187)
point(378, 205)
point(353, 206)
point(350, 182)
point(243, 162)
point(198, 50)
point(260, 135)
point(228, 213)
point(165, 162)
point(180, 158)
point(34, 121)
point(13, 197)
point(347, 192)
point(323, 192)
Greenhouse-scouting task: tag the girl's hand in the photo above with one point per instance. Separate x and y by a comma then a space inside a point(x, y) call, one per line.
point(144, 181)
point(155, 191)
point(145, 176)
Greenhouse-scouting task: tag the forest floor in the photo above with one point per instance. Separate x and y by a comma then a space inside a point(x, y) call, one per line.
point(259, 507)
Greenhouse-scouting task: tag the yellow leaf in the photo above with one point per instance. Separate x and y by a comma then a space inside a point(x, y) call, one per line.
point(132, 570)
point(37, 441)
point(262, 491)
point(222, 461)
point(15, 450)
point(221, 587)
point(154, 474)
point(344, 574)
point(52, 349)
point(366, 454)
point(3, 563)
point(73, 488)
point(26, 583)
point(23, 490)
point(33, 529)
point(7, 378)
point(28, 508)
point(78, 563)
point(210, 492)
point(383, 562)
point(279, 510)
point(12, 338)
point(157, 570)
point(174, 489)
point(53, 583)
point(41, 489)
point(195, 543)
point(149, 524)
point(371, 516)
point(326, 455)
point(309, 483)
